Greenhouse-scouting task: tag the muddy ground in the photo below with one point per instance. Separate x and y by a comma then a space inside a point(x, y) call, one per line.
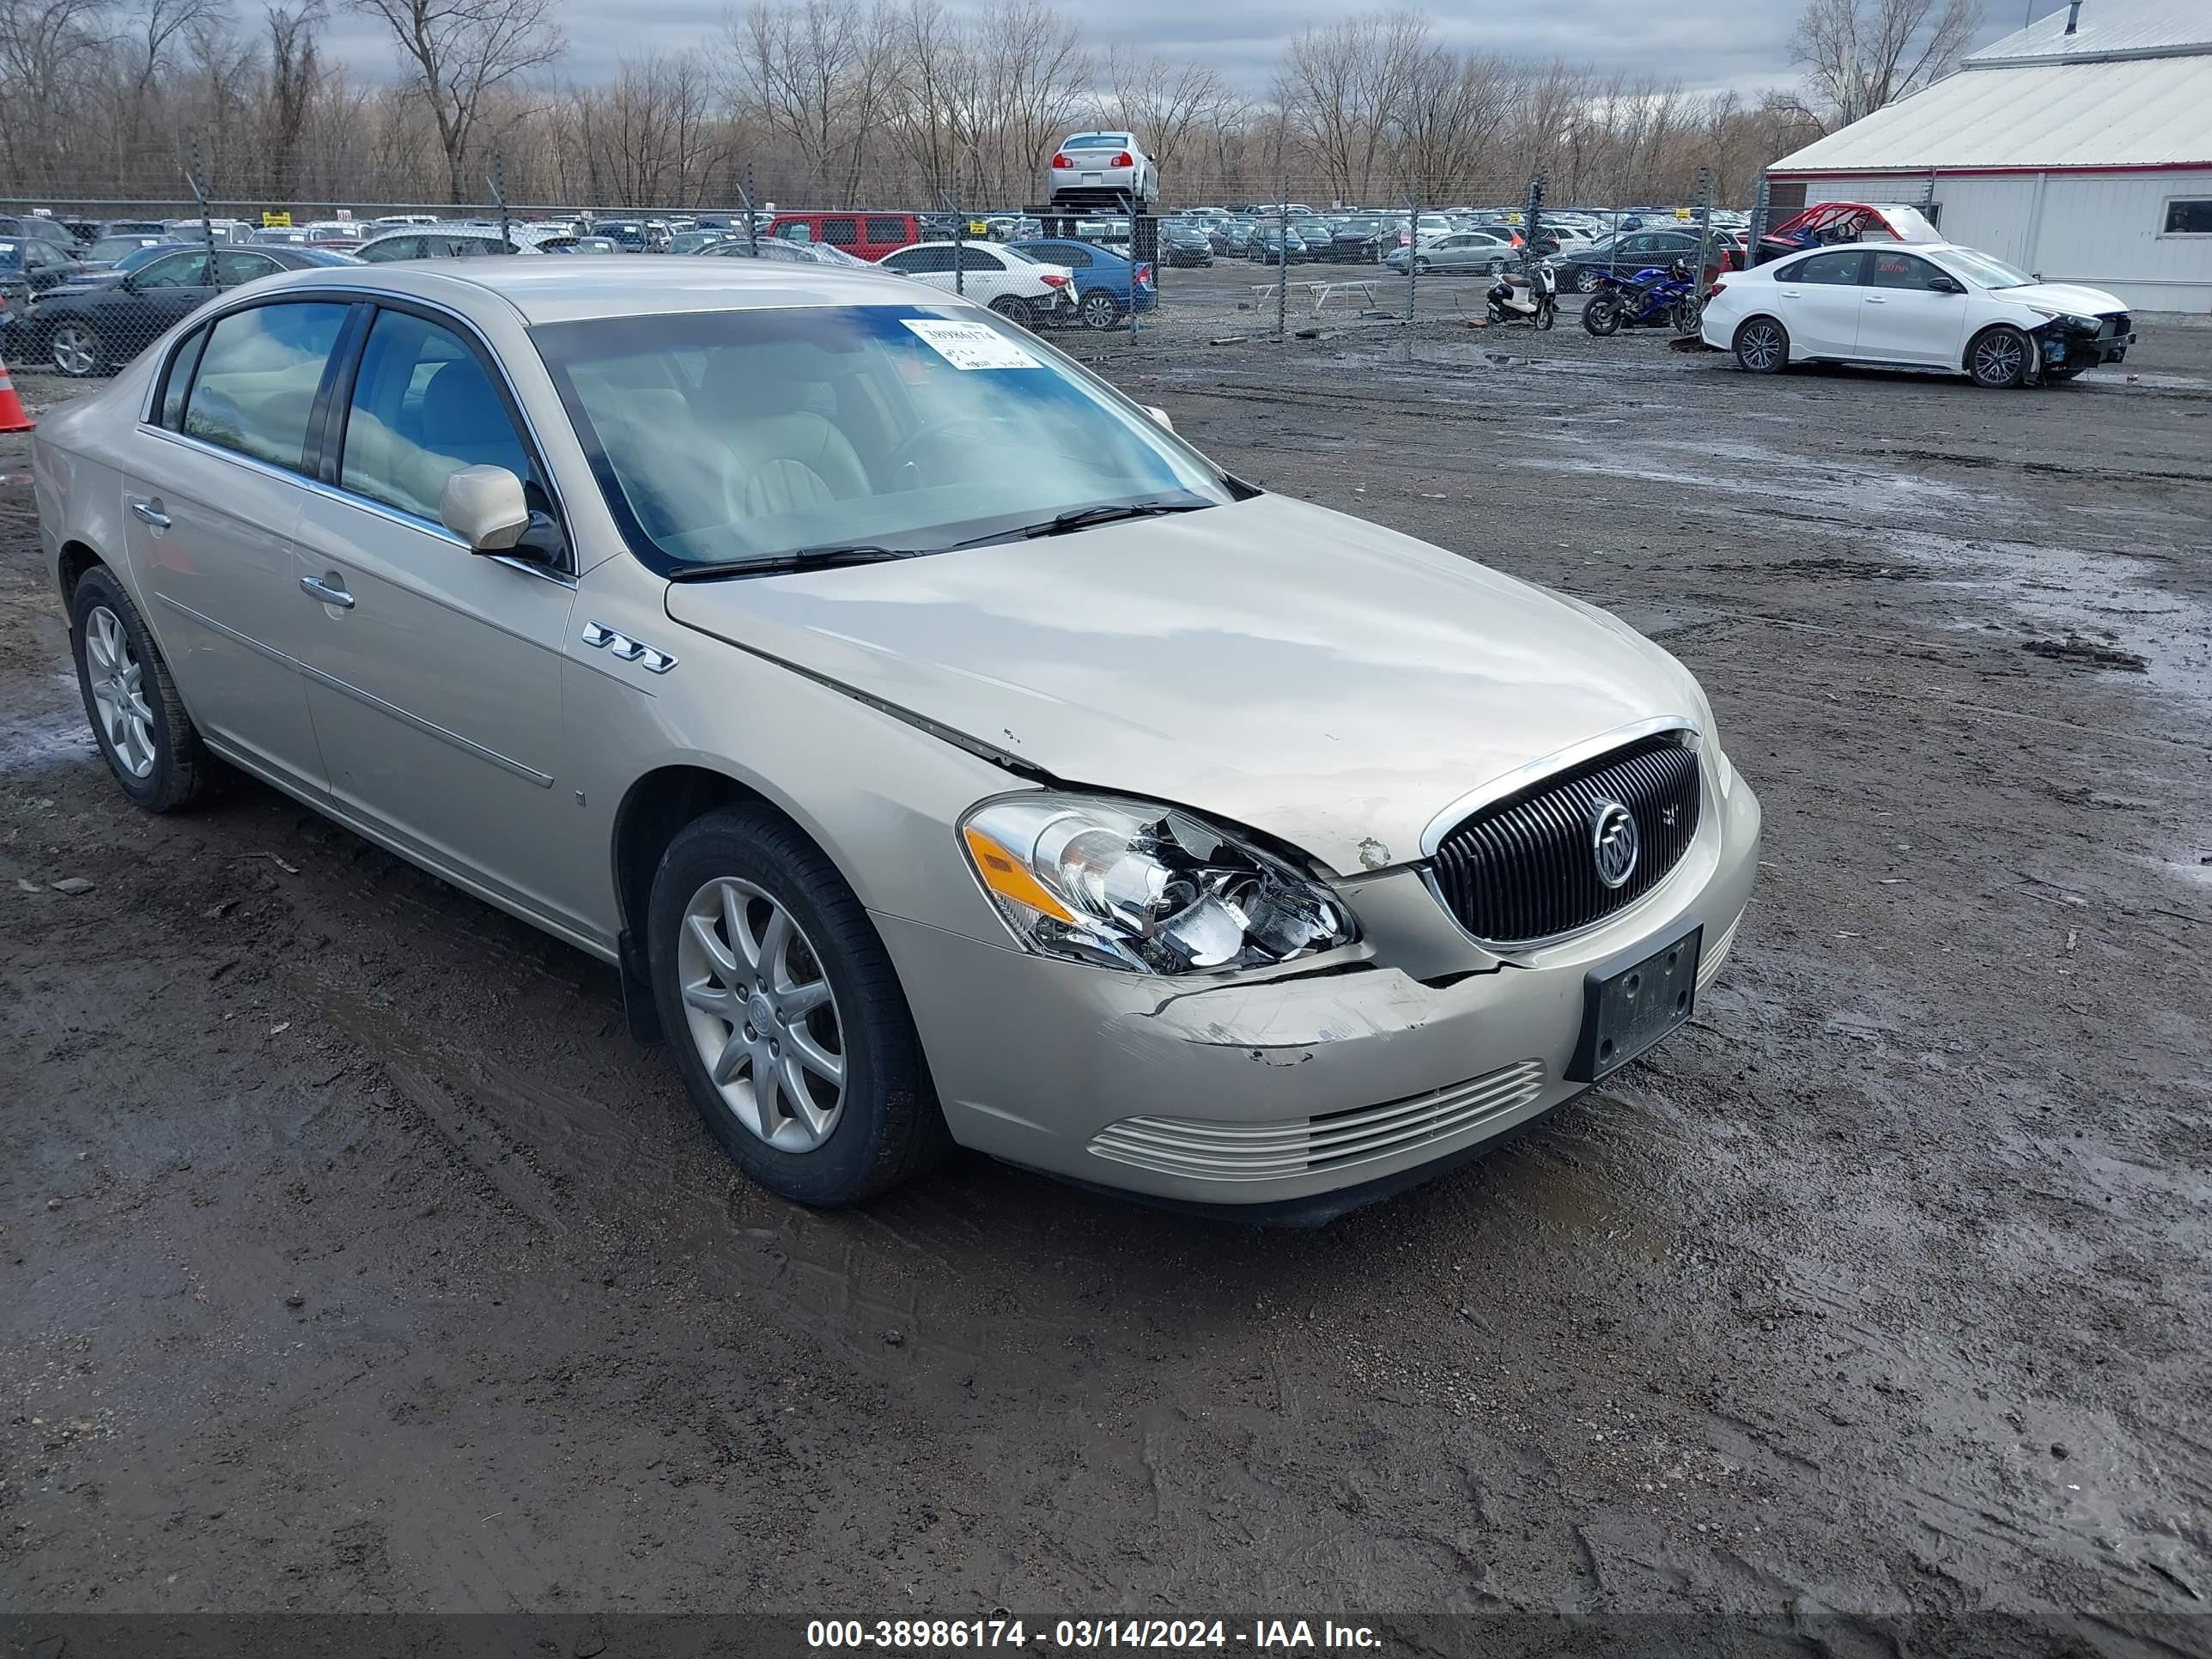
point(355, 1259)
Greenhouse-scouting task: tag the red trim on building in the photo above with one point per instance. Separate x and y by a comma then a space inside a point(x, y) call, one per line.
point(1978, 172)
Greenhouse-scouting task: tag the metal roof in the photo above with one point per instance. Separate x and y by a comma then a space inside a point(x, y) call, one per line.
point(2108, 28)
point(2133, 112)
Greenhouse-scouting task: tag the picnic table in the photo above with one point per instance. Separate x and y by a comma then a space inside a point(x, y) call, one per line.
point(1320, 292)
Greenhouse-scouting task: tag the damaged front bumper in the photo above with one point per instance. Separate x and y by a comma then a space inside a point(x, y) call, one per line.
point(1341, 1077)
point(2071, 344)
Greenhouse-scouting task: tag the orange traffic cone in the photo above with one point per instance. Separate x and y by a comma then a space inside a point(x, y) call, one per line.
point(13, 415)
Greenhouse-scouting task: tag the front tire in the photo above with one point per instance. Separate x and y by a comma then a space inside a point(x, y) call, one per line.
point(785, 1015)
point(1998, 358)
point(1687, 317)
point(1421, 267)
point(147, 739)
point(1762, 346)
point(1547, 314)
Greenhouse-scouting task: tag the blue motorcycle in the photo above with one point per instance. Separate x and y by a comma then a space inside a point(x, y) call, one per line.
point(1650, 297)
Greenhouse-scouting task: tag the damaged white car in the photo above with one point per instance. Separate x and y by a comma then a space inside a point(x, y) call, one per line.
point(945, 750)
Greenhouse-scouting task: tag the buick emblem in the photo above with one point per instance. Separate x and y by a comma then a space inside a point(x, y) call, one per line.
point(1614, 842)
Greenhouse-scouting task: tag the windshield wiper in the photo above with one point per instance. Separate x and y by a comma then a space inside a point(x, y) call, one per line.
point(802, 558)
point(1082, 518)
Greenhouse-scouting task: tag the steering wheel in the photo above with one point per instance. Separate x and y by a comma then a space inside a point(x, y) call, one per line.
point(982, 428)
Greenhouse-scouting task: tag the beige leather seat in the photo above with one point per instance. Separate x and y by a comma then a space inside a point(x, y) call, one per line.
point(790, 457)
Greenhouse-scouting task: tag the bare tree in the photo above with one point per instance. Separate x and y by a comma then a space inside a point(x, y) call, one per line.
point(461, 50)
point(1171, 103)
point(294, 74)
point(1859, 55)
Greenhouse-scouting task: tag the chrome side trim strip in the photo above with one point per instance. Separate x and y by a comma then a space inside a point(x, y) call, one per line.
point(429, 728)
point(1536, 771)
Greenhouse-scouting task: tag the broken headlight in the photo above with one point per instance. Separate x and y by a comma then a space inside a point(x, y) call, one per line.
point(1124, 883)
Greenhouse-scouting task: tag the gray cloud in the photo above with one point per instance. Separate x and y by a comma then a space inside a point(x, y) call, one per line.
point(1709, 44)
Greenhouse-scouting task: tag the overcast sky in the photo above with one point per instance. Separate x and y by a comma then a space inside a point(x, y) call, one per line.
point(1710, 43)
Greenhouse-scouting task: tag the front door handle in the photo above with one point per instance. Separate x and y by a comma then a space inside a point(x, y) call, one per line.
point(1876, 300)
point(151, 513)
point(330, 589)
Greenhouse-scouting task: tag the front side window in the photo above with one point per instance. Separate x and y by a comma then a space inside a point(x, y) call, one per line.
point(423, 409)
point(174, 270)
point(975, 258)
point(255, 390)
point(386, 248)
point(796, 231)
point(737, 434)
point(1906, 271)
point(2189, 215)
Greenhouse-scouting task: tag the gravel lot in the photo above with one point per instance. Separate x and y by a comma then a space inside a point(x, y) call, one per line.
point(355, 1259)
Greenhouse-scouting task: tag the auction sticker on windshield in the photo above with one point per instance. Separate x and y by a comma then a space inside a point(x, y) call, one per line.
point(971, 345)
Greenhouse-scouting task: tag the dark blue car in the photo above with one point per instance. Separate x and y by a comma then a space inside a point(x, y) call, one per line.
point(1104, 279)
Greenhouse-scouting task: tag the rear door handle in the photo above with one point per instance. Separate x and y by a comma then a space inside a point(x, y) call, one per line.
point(330, 589)
point(151, 513)
point(1877, 299)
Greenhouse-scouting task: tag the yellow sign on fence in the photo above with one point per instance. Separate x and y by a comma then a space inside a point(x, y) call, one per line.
point(276, 221)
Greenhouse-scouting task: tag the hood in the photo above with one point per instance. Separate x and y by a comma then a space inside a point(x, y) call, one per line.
point(1268, 663)
point(2063, 296)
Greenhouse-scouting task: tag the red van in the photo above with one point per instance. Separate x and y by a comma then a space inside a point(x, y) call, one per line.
point(863, 232)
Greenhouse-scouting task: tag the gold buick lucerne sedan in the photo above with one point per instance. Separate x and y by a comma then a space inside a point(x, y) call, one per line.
point(944, 750)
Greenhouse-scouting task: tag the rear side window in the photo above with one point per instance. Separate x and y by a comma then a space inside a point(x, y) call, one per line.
point(975, 258)
point(171, 412)
point(1837, 269)
point(255, 390)
point(887, 230)
point(841, 232)
point(423, 408)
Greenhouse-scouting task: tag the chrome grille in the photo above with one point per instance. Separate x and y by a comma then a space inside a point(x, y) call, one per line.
point(1296, 1146)
point(1522, 868)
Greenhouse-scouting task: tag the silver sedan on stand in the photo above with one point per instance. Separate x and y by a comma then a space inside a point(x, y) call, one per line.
point(942, 749)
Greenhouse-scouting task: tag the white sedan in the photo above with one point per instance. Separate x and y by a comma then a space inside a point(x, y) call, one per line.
point(1017, 287)
point(1091, 168)
point(1928, 306)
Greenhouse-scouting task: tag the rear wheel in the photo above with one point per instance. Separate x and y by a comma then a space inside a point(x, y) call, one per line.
point(1998, 358)
point(145, 736)
point(1602, 316)
point(1100, 310)
point(75, 349)
point(1571, 280)
point(1762, 346)
point(1014, 309)
point(786, 1017)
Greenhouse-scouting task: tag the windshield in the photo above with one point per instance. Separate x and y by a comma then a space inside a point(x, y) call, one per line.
point(724, 436)
point(1985, 270)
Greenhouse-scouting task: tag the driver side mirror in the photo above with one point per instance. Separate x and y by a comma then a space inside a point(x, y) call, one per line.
point(1161, 415)
point(1946, 285)
point(484, 507)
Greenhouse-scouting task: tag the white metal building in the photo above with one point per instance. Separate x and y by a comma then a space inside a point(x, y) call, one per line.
point(2080, 149)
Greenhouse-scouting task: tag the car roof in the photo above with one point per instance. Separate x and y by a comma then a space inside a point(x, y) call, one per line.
point(551, 289)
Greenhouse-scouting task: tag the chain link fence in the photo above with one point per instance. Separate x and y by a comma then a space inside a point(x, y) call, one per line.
point(94, 278)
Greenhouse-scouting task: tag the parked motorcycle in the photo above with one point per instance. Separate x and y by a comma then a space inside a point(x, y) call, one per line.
point(1650, 297)
point(1533, 299)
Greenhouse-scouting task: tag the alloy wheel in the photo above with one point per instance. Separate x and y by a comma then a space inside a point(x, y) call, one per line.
point(1999, 358)
point(76, 351)
point(1761, 347)
point(761, 1014)
point(1100, 310)
point(116, 677)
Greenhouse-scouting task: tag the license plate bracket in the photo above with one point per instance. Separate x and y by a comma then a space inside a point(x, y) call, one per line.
point(1629, 1006)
